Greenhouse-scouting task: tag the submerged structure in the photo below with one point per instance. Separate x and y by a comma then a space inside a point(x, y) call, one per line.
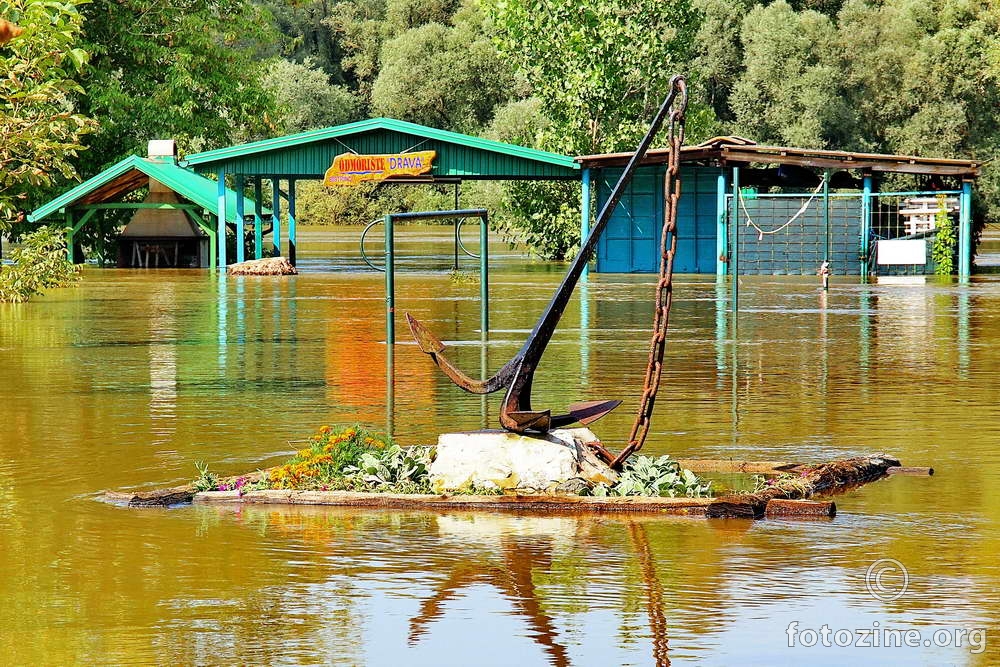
point(781, 210)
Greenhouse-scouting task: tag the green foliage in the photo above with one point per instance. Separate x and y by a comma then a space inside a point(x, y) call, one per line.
point(663, 476)
point(790, 90)
point(308, 33)
point(892, 76)
point(184, 70)
point(945, 244)
point(395, 468)
point(206, 481)
point(601, 67)
point(39, 263)
point(305, 99)
point(443, 76)
point(331, 452)
point(545, 216)
point(40, 129)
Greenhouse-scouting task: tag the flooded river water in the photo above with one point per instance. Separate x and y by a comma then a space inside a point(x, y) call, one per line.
point(129, 377)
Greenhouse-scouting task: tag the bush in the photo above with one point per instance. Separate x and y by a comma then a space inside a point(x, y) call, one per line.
point(663, 476)
point(944, 244)
point(39, 263)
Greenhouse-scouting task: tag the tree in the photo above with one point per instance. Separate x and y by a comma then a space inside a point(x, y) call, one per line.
point(308, 33)
point(893, 76)
point(183, 70)
point(40, 129)
point(364, 26)
point(305, 99)
point(601, 67)
point(444, 76)
point(790, 91)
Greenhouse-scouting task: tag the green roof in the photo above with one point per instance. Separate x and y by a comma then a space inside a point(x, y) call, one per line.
point(309, 154)
point(186, 183)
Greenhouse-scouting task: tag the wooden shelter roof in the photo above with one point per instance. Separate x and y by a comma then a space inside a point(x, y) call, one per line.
point(737, 151)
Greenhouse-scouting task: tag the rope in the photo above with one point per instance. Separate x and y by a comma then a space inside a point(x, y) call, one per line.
point(761, 232)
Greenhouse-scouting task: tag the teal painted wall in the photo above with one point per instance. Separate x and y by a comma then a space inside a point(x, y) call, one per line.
point(311, 160)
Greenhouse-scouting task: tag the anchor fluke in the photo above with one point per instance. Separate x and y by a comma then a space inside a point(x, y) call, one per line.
point(426, 341)
point(429, 344)
point(588, 412)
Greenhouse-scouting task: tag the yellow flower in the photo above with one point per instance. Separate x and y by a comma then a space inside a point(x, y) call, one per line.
point(324, 429)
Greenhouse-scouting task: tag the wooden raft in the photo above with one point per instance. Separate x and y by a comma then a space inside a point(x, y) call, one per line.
point(788, 497)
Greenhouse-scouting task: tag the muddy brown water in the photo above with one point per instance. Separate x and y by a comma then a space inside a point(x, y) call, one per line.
point(127, 378)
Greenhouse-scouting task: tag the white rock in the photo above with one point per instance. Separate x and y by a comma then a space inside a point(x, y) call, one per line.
point(499, 459)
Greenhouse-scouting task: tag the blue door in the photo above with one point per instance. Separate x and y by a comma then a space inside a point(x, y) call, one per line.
point(631, 241)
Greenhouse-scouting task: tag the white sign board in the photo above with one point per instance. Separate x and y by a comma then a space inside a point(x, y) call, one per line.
point(910, 251)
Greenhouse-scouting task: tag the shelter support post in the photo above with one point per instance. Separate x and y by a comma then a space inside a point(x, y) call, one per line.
point(866, 224)
point(826, 216)
point(240, 231)
point(734, 265)
point(207, 228)
point(965, 232)
point(276, 215)
point(484, 274)
point(221, 221)
point(69, 237)
point(258, 220)
point(291, 221)
point(390, 286)
point(584, 216)
point(721, 233)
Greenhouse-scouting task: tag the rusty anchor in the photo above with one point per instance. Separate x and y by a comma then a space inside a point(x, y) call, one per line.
point(517, 413)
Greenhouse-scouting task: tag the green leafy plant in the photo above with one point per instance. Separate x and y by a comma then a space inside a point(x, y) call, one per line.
point(331, 453)
point(945, 242)
point(206, 480)
point(39, 263)
point(393, 467)
point(662, 476)
point(40, 130)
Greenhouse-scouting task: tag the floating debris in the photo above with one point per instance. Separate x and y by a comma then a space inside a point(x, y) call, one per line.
point(269, 266)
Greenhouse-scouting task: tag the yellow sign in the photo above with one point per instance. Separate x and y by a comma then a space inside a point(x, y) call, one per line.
point(351, 169)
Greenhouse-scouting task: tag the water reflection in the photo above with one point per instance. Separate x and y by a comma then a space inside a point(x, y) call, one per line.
point(129, 377)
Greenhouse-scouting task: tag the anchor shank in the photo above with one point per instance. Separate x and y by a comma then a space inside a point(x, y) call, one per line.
point(533, 348)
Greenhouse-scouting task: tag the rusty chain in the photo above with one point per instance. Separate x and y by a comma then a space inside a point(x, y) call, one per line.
point(664, 287)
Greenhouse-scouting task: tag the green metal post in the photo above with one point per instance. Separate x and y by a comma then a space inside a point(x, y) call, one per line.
point(69, 237)
point(826, 214)
point(291, 221)
point(276, 214)
point(866, 223)
point(721, 233)
point(735, 254)
point(209, 231)
point(965, 232)
point(484, 275)
point(240, 231)
point(213, 249)
point(585, 216)
point(258, 220)
point(390, 286)
point(221, 220)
